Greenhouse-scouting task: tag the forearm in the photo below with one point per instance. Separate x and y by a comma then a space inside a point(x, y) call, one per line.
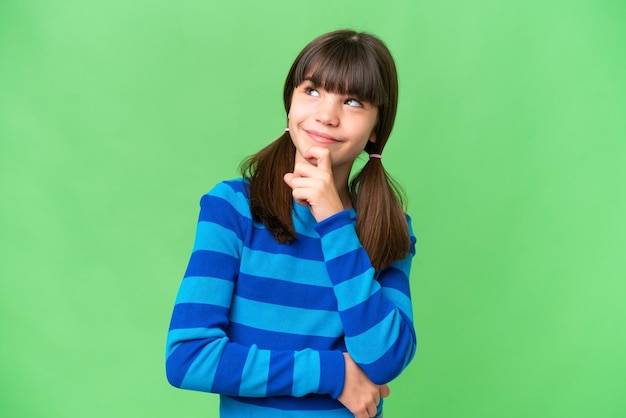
point(375, 309)
point(198, 361)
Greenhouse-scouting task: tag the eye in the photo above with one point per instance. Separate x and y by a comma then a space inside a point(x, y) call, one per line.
point(354, 103)
point(311, 91)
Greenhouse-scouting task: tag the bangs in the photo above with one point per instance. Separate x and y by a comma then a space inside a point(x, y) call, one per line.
point(343, 68)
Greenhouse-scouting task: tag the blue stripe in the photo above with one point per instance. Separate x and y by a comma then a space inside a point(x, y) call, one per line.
point(392, 277)
point(304, 221)
point(377, 339)
point(394, 360)
point(198, 315)
point(207, 290)
point(333, 374)
point(281, 373)
point(348, 265)
point(256, 372)
point(284, 267)
point(353, 291)
point(306, 373)
point(399, 299)
point(214, 237)
point(280, 292)
point(341, 240)
point(357, 316)
point(229, 370)
point(336, 221)
point(272, 340)
point(201, 373)
point(285, 318)
point(283, 407)
point(181, 358)
point(304, 247)
point(214, 209)
point(231, 193)
point(176, 337)
point(239, 185)
point(212, 264)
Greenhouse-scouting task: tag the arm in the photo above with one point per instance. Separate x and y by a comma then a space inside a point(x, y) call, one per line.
point(375, 309)
point(360, 395)
point(200, 355)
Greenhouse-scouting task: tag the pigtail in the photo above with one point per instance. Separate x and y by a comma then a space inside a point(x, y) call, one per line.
point(380, 222)
point(270, 198)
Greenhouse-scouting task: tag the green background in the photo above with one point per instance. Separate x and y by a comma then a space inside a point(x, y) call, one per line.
point(116, 116)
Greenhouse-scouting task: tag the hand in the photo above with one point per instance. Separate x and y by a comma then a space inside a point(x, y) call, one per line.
point(313, 185)
point(360, 395)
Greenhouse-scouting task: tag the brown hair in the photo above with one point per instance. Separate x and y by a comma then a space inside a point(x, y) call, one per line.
point(357, 64)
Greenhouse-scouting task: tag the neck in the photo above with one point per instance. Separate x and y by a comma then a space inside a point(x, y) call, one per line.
point(341, 175)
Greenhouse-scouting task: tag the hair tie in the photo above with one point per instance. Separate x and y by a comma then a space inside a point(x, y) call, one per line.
point(376, 156)
point(286, 129)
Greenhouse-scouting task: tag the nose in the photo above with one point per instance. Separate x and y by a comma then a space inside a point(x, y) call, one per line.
point(327, 112)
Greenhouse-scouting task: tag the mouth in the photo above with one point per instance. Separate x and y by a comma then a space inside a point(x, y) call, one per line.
point(321, 137)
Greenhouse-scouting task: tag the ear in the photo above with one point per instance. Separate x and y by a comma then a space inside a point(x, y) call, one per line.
point(372, 137)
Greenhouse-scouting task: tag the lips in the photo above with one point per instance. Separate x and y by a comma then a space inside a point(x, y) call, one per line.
point(321, 137)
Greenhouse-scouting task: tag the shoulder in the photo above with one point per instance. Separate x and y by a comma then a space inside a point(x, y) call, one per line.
point(228, 195)
point(237, 187)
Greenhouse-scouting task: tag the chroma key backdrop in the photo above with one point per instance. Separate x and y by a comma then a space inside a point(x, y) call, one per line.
point(510, 143)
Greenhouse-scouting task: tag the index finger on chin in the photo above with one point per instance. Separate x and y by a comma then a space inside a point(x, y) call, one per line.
point(321, 157)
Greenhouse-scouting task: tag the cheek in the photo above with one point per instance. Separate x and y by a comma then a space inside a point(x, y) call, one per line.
point(295, 111)
point(368, 128)
point(293, 117)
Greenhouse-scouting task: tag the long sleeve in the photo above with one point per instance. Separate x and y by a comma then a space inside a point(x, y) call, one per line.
point(199, 353)
point(375, 309)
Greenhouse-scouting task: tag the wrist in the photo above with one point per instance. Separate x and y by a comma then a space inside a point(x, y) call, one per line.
point(332, 373)
point(337, 220)
point(321, 215)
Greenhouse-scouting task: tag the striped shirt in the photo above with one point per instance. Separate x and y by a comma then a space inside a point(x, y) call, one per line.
point(265, 324)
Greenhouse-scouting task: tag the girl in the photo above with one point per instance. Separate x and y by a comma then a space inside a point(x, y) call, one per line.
point(296, 302)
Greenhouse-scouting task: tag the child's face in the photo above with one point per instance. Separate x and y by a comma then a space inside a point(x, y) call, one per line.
point(339, 122)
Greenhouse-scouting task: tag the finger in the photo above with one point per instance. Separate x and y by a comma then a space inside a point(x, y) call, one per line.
point(305, 158)
point(371, 410)
point(363, 414)
point(384, 391)
point(312, 177)
point(288, 178)
point(312, 171)
point(303, 182)
point(305, 170)
point(321, 156)
point(298, 193)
